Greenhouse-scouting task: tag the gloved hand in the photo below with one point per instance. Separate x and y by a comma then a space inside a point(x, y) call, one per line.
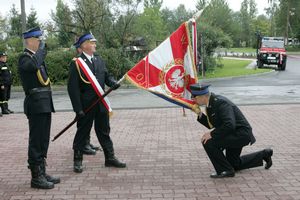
point(41, 53)
point(197, 109)
point(116, 86)
point(80, 114)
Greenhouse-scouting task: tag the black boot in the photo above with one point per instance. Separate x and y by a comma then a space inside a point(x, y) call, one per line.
point(96, 148)
point(10, 111)
point(77, 161)
point(4, 109)
point(49, 178)
point(88, 150)
point(111, 160)
point(38, 180)
point(268, 158)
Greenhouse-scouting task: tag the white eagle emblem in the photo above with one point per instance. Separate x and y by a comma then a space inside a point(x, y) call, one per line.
point(176, 79)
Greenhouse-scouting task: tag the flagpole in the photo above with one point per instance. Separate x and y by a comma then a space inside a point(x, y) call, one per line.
point(194, 40)
point(86, 110)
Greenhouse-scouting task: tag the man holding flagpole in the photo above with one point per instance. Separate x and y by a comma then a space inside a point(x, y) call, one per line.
point(87, 79)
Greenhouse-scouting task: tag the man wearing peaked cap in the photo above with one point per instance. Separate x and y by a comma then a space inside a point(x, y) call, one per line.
point(85, 37)
point(84, 69)
point(38, 106)
point(89, 148)
point(229, 130)
point(5, 84)
point(33, 33)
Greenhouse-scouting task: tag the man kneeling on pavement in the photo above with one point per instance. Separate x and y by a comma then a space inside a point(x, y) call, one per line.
point(229, 131)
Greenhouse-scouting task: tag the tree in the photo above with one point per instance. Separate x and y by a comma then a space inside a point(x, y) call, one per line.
point(173, 18)
point(15, 22)
point(150, 24)
point(63, 21)
point(261, 24)
point(125, 13)
point(201, 4)
point(287, 18)
point(270, 11)
point(2, 28)
point(247, 14)
point(90, 14)
point(218, 14)
point(32, 19)
point(153, 4)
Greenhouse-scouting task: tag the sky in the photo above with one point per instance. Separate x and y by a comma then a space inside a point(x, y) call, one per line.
point(44, 7)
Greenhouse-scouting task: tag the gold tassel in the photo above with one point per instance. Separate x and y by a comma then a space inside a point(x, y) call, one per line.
point(41, 80)
point(78, 69)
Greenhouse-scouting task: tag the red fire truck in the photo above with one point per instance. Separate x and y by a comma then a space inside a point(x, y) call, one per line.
point(272, 52)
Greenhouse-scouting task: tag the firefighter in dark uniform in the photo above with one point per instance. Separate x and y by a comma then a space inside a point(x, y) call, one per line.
point(89, 148)
point(229, 131)
point(38, 106)
point(5, 83)
point(82, 95)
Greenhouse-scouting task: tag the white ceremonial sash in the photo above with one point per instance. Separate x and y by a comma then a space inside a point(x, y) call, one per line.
point(95, 84)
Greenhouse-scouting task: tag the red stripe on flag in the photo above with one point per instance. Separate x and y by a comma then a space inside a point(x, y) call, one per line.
point(143, 77)
point(154, 76)
point(179, 42)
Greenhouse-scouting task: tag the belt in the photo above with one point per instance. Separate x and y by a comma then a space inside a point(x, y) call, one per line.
point(36, 90)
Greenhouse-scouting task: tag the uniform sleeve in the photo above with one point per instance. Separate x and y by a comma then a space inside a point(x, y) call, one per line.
point(74, 88)
point(1, 78)
point(26, 63)
point(226, 115)
point(203, 120)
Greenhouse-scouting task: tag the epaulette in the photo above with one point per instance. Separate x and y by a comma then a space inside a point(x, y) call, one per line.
point(27, 54)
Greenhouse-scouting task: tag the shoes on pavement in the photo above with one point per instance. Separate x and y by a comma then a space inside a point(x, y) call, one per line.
point(223, 174)
point(268, 158)
point(88, 150)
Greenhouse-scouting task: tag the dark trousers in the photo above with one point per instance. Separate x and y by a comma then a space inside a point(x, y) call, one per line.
point(39, 135)
point(232, 159)
point(5, 94)
point(101, 126)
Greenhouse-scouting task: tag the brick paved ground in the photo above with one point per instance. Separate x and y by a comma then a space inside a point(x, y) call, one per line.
point(164, 156)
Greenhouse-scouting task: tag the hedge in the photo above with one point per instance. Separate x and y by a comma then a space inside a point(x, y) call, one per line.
point(58, 64)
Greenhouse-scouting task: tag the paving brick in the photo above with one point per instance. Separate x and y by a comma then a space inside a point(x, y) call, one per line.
point(164, 156)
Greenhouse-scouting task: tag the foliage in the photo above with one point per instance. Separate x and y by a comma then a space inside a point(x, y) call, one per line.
point(32, 19)
point(56, 61)
point(58, 65)
point(12, 61)
point(117, 24)
point(125, 13)
point(63, 21)
point(15, 22)
point(174, 18)
point(151, 19)
point(116, 63)
point(210, 43)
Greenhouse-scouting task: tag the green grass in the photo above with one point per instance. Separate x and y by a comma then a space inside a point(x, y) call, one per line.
point(241, 50)
point(232, 68)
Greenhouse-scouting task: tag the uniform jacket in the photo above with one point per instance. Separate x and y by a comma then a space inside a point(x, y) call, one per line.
point(82, 94)
point(41, 100)
point(5, 74)
point(226, 118)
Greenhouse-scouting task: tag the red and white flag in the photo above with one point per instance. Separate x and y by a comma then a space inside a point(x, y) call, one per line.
point(169, 69)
